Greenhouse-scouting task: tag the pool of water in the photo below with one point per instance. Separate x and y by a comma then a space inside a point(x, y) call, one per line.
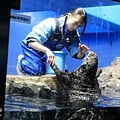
point(16, 103)
point(108, 102)
point(13, 103)
point(23, 108)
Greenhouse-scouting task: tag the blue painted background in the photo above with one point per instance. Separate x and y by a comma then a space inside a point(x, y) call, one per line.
point(105, 41)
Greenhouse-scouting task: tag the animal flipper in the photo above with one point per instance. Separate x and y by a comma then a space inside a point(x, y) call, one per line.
point(62, 77)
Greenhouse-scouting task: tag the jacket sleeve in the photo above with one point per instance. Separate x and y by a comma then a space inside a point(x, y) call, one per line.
point(42, 31)
point(73, 48)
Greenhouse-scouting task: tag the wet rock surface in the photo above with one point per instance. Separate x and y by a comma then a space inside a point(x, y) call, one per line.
point(109, 79)
point(34, 86)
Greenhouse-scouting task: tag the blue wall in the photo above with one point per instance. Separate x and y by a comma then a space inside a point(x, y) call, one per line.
point(107, 47)
point(103, 41)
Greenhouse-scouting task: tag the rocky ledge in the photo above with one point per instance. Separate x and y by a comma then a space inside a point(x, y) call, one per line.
point(109, 79)
point(84, 82)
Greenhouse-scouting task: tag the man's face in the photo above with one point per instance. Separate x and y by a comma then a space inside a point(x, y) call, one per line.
point(74, 22)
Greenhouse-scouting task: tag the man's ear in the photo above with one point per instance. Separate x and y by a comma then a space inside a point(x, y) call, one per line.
point(69, 15)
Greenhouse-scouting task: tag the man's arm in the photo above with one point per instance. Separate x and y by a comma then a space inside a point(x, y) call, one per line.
point(37, 46)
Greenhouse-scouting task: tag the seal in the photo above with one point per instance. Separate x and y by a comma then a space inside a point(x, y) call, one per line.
point(82, 83)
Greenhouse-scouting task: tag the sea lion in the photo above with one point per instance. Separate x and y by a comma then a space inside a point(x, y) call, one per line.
point(82, 83)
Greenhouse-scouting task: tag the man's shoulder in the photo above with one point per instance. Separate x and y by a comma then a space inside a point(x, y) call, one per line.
point(61, 20)
point(49, 20)
point(48, 23)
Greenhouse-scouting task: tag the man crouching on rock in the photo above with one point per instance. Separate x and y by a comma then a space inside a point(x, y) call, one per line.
point(52, 34)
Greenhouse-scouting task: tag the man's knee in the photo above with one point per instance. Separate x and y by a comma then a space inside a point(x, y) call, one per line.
point(38, 70)
point(32, 68)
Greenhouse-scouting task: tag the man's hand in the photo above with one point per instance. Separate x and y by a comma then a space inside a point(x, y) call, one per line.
point(37, 46)
point(50, 57)
point(82, 48)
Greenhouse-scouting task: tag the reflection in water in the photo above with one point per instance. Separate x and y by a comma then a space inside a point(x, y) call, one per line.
point(13, 103)
point(108, 102)
point(16, 103)
point(23, 108)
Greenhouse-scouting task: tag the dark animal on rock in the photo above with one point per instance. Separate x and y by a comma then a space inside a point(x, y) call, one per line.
point(82, 83)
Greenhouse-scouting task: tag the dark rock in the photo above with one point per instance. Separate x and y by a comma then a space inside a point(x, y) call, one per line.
point(20, 89)
point(91, 113)
point(109, 79)
point(66, 114)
